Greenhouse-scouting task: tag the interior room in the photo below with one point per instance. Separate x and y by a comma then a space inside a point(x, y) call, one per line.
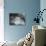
point(22, 23)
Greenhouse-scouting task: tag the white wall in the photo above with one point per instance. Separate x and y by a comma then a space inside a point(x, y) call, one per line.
point(1, 21)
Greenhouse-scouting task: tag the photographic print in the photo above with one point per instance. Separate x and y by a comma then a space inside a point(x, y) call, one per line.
point(16, 19)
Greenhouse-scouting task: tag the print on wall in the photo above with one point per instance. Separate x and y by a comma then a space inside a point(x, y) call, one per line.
point(16, 19)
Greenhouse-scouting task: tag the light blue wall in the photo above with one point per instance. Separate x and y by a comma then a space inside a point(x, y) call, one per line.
point(28, 7)
point(43, 6)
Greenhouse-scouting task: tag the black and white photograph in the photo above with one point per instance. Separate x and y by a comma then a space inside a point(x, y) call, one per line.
point(16, 19)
